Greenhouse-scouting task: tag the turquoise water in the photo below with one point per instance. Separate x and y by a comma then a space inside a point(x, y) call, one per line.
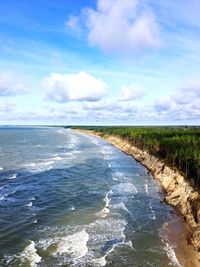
point(70, 199)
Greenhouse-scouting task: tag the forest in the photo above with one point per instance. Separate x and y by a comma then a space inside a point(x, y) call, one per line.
point(179, 147)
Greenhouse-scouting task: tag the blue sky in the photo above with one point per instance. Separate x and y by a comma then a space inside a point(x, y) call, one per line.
point(99, 62)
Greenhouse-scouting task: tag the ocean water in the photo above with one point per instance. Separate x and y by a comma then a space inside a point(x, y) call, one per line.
point(70, 199)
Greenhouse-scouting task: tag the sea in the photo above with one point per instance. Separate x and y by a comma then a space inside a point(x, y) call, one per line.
point(72, 199)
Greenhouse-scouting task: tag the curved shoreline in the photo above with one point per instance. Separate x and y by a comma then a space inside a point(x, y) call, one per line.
point(179, 193)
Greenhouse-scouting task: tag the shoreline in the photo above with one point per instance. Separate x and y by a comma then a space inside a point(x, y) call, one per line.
point(178, 193)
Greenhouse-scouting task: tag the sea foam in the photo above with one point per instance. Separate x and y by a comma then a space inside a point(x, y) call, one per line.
point(105, 211)
point(171, 254)
point(28, 257)
point(14, 176)
point(74, 245)
point(126, 188)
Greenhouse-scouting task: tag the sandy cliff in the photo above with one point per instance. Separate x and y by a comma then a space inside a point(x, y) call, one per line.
point(179, 192)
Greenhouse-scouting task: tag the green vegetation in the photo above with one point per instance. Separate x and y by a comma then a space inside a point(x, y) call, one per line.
point(177, 146)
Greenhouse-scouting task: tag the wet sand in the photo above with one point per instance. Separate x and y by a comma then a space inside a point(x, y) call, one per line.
point(176, 233)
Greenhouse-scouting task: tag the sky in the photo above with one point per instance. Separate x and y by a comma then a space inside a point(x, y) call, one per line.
point(100, 62)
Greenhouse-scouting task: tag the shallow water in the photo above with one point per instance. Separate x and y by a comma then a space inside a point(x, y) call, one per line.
point(69, 199)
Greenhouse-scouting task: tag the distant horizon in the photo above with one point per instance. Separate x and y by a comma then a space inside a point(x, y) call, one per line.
point(99, 125)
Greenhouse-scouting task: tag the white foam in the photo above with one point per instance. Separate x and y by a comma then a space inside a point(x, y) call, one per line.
point(57, 158)
point(106, 234)
point(105, 211)
point(7, 194)
point(1, 168)
point(122, 206)
point(37, 146)
point(29, 254)
point(117, 175)
point(46, 243)
point(39, 166)
point(30, 204)
point(125, 188)
point(120, 174)
point(146, 188)
point(171, 254)
point(14, 176)
point(106, 200)
point(61, 131)
point(72, 208)
point(100, 261)
point(47, 163)
point(74, 245)
point(152, 215)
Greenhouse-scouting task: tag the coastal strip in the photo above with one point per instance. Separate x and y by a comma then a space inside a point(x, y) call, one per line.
point(179, 193)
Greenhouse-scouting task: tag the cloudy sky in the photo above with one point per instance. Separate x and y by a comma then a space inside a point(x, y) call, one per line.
point(130, 62)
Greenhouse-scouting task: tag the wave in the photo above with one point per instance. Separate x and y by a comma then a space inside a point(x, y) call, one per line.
point(28, 257)
point(7, 195)
point(146, 188)
point(37, 146)
point(57, 158)
point(85, 245)
point(105, 211)
point(30, 254)
point(74, 245)
point(1, 168)
point(109, 165)
point(125, 188)
point(105, 236)
point(116, 176)
point(171, 254)
point(14, 176)
point(72, 208)
point(100, 261)
point(30, 204)
point(39, 166)
point(121, 206)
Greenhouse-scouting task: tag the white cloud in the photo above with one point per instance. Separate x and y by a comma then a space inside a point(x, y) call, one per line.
point(189, 93)
point(130, 92)
point(6, 106)
point(73, 23)
point(121, 26)
point(73, 87)
point(12, 84)
point(182, 105)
